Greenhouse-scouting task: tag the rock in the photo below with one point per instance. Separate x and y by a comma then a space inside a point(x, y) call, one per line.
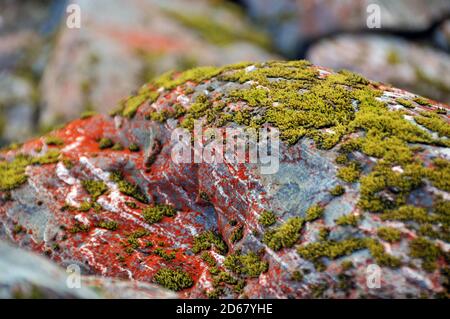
point(358, 206)
point(295, 24)
point(124, 44)
point(389, 59)
point(26, 275)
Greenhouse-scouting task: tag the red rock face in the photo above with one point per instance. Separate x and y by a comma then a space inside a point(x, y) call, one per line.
point(220, 197)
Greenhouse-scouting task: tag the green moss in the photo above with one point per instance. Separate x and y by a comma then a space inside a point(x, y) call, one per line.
point(117, 147)
point(173, 279)
point(347, 265)
point(285, 235)
point(132, 239)
point(12, 173)
point(237, 234)
point(134, 148)
point(267, 218)
point(389, 234)
point(87, 114)
point(208, 240)
point(131, 205)
point(407, 213)
point(381, 257)
point(249, 265)
point(440, 174)
point(128, 188)
point(105, 143)
point(110, 225)
point(18, 229)
point(330, 249)
point(79, 228)
point(208, 259)
point(297, 276)
point(338, 190)
point(314, 212)
point(406, 103)
point(54, 141)
point(422, 101)
point(349, 173)
point(348, 220)
point(323, 234)
point(164, 254)
point(156, 213)
point(433, 122)
point(425, 250)
point(95, 188)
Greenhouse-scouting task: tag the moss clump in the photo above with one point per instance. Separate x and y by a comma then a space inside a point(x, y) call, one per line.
point(422, 101)
point(12, 173)
point(134, 148)
point(132, 239)
point(95, 188)
point(110, 225)
point(208, 259)
point(348, 220)
point(50, 157)
point(87, 114)
point(425, 250)
point(407, 213)
point(381, 257)
point(105, 143)
point(207, 240)
point(440, 174)
point(389, 234)
point(347, 265)
point(349, 173)
point(285, 235)
point(237, 234)
point(433, 122)
point(314, 212)
point(297, 276)
point(54, 141)
point(117, 147)
point(267, 218)
point(249, 265)
point(175, 280)
point(406, 103)
point(79, 228)
point(164, 254)
point(128, 188)
point(331, 249)
point(338, 190)
point(156, 213)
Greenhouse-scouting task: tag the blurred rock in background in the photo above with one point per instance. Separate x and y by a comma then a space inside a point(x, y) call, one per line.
point(410, 50)
point(54, 76)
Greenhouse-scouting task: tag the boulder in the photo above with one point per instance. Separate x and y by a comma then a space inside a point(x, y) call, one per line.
point(357, 206)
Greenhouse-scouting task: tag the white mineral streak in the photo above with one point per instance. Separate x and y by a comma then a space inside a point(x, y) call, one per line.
point(73, 145)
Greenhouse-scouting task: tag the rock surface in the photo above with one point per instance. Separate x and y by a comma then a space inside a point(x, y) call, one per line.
point(296, 23)
point(362, 181)
point(415, 67)
point(26, 275)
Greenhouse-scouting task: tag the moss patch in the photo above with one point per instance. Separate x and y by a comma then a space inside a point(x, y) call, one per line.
point(249, 265)
point(128, 188)
point(267, 218)
point(156, 213)
point(175, 280)
point(208, 240)
point(285, 235)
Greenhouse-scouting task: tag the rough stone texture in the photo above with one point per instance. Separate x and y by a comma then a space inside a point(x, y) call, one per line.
point(295, 23)
point(36, 217)
point(26, 275)
point(389, 59)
